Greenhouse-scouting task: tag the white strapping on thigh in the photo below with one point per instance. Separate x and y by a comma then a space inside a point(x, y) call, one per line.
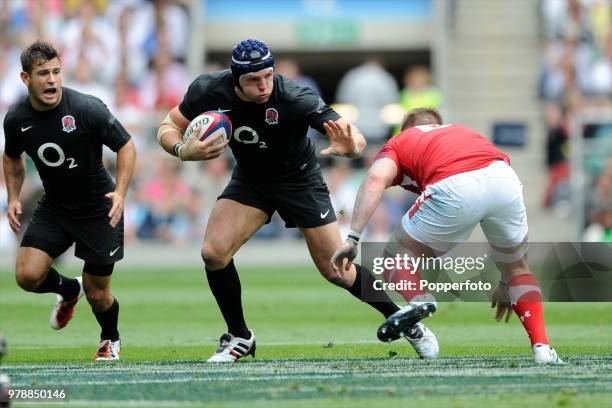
point(513, 257)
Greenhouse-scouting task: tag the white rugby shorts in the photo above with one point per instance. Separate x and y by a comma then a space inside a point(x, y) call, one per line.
point(447, 212)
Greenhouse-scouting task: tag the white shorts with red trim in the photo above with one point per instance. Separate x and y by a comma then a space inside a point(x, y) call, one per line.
point(447, 212)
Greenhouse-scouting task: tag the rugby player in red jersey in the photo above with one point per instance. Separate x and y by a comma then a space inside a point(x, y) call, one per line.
point(463, 180)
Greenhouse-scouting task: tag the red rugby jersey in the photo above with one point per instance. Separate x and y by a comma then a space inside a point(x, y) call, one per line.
point(429, 153)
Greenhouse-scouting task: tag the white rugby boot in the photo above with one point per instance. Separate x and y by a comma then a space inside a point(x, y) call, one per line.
point(544, 354)
point(232, 348)
point(108, 350)
point(424, 341)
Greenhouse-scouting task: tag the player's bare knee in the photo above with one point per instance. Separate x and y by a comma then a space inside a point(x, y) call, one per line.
point(27, 277)
point(99, 299)
point(214, 257)
point(334, 278)
point(94, 295)
point(26, 282)
point(338, 281)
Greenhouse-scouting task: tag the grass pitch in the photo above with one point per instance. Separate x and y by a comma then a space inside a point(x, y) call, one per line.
point(316, 347)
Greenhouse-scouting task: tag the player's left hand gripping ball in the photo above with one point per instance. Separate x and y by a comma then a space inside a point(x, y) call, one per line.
point(206, 137)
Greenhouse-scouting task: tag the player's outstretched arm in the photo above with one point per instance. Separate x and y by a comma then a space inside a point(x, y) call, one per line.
point(345, 139)
point(14, 174)
point(379, 177)
point(170, 138)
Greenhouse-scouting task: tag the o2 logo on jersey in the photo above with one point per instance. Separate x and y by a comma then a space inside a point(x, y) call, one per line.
point(68, 123)
point(240, 135)
point(271, 116)
point(60, 153)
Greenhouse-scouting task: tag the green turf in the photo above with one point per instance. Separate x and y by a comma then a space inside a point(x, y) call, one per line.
point(316, 347)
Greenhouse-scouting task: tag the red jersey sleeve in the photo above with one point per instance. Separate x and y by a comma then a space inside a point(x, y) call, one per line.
point(388, 151)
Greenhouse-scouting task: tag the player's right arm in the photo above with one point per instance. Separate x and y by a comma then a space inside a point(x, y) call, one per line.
point(13, 164)
point(381, 175)
point(171, 129)
point(14, 175)
point(170, 138)
point(174, 125)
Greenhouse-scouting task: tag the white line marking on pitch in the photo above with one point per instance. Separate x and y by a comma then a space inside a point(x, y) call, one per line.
point(212, 342)
point(254, 377)
point(135, 403)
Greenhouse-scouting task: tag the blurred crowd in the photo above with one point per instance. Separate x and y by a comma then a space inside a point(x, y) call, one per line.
point(575, 76)
point(133, 54)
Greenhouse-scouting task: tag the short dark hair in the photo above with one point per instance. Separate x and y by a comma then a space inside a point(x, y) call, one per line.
point(421, 116)
point(35, 53)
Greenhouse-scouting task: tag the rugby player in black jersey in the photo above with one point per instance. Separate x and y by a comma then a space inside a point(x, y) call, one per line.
point(63, 132)
point(276, 170)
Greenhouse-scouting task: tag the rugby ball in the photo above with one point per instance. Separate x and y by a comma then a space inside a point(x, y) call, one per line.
point(210, 123)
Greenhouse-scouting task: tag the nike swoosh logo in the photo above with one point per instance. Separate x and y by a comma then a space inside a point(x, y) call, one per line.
point(323, 215)
point(223, 110)
point(23, 129)
point(115, 250)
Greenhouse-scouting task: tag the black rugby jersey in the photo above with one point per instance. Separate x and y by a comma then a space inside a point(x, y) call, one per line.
point(269, 141)
point(65, 144)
